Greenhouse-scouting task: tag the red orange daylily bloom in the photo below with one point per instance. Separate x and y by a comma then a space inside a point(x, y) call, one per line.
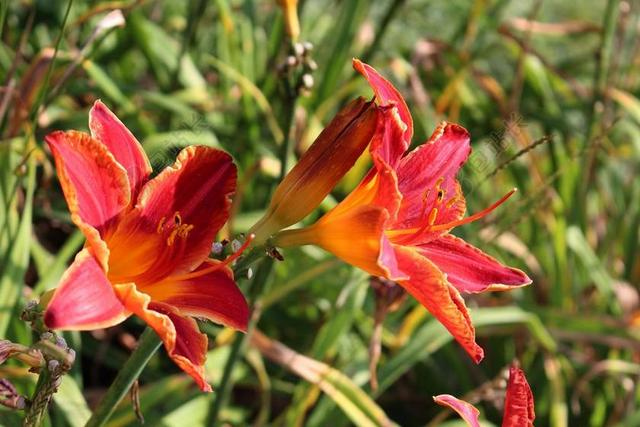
point(148, 240)
point(518, 404)
point(397, 222)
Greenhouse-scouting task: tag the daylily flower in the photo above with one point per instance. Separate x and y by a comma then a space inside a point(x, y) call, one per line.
point(397, 222)
point(330, 156)
point(518, 404)
point(148, 240)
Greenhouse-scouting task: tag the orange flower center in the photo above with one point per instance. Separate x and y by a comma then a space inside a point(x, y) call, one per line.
point(133, 250)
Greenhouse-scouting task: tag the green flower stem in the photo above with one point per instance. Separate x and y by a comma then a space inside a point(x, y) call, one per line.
point(41, 398)
point(247, 260)
point(286, 150)
point(264, 268)
point(224, 389)
point(147, 345)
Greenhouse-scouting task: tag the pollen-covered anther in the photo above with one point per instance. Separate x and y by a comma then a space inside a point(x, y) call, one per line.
point(452, 201)
point(179, 229)
point(440, 190)
point(433, 215)
point(184, 230)
point(160, 224)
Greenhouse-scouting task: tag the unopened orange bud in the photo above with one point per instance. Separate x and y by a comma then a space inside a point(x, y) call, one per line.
point(290, 9)
point(330, 156)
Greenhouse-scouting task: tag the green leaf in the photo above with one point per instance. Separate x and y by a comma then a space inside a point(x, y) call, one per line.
point(14, 264)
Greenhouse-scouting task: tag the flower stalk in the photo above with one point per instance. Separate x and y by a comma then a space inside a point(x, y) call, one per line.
point(50, 357)
point(147, 346)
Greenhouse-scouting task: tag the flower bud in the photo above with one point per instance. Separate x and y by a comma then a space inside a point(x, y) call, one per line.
point(27, 355)
point(9, 396)
point(330, 156)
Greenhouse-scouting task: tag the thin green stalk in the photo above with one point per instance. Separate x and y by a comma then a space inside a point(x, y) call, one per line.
point(246, 261)
point(45, 85)
point(595, 115)
point(147, 345)
point(286, 149)
point(3, 14)
point(41, 398)
point(237, 349)
point(195, 14)
point(264, 269)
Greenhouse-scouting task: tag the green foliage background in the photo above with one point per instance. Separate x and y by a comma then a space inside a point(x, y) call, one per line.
point(552, 109)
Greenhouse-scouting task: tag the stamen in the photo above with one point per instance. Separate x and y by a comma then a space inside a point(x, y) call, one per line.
point(216, 265)
point(441, 192)
point(172, 237)
point(184, 229)
point(475, 216)
point(425, 199)
point(432, 216)
point(407, 233)
point(451, 202)
point(160, 225)
point(179, 229)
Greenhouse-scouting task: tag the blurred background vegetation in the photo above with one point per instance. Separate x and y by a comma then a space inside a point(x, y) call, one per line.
point(549, 91)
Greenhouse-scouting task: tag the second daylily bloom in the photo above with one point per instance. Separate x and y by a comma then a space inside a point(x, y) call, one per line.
point(518, 404)
point(148, 240)
point(396, 223)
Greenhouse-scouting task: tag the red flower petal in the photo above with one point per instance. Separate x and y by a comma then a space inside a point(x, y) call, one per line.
point(429, 286)
point(214, 296)
point(85, 299)
point(184, 343)
point(108, 129)
point(387, 94)
point(178, 214)
point(466, 410)
point(518, 405)
point(387, 193)
point(95, 185)
point(427, 180)
point(468, 268)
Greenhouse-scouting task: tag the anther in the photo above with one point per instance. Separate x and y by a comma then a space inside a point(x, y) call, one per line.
point(172, 237)
point(432, 216)
point(160, 225)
